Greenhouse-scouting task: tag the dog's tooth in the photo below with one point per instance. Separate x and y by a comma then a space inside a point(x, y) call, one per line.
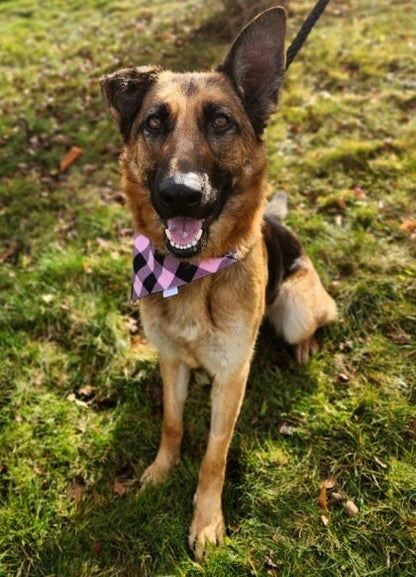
point(168, 234)
point(185, 246)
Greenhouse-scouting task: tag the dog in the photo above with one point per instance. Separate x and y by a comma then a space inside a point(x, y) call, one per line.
point(193, 171)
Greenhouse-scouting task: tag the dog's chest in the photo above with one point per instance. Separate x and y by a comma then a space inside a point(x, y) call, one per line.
point(187, 328)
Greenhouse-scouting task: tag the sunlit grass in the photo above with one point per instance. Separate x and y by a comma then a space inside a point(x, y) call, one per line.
point(80, 393)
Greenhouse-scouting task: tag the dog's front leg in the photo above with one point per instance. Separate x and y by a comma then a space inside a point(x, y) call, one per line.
point(208, 520)
point(175, 376)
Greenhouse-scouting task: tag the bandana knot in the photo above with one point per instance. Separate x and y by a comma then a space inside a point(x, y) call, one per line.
point(154, 272)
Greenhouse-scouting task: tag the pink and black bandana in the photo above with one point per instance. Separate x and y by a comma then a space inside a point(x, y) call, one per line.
point(154, 272)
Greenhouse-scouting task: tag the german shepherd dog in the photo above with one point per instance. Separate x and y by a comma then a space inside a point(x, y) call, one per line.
point(193, 171)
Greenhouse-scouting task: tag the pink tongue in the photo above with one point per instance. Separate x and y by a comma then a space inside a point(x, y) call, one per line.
point(183, 229)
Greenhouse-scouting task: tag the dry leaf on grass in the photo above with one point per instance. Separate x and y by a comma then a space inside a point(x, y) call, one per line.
point(409, 226)
point(69, 159)
point(285, 429)
point(86, 391)
point(72, 398)
point(271, 567)
point(10, 252)
point(358, 193)
point(350, 508)
point(411, 431)
point(326, 485)
point(76, 489)
point(325, 520)
point(122, 485)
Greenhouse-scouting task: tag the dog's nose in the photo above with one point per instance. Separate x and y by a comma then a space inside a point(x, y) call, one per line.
point(178, 196)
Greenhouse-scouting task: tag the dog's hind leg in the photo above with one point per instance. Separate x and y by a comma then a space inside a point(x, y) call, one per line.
point(175, 376)
point(301, 306)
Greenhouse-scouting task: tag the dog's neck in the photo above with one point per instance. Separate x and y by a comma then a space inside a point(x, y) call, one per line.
point(154, 272)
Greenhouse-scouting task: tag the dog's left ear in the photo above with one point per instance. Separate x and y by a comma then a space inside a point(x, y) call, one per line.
point(256, 64)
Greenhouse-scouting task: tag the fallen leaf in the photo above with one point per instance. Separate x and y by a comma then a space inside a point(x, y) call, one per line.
point(285, 429)
point(409, 226)
point(73, 399)
point(411, 431)
point(270, 564)
point(271, 568)
point(86, 391)
point(329, 483)
point(400, 337)
point(76, 489)
point(350, 508)
point(325, 520)
point(326, 485)
point(322, 499)
point(102, 243)
point(122, 485)
point(342, 203)
point(358, 193)
point(48, 298)
point(10, 252)
point(69, 159)
point(337, 497)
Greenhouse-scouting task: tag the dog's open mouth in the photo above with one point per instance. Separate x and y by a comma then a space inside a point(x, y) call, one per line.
point(184, 235)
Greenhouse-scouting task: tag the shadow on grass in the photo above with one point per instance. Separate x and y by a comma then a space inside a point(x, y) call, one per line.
point(145, 533)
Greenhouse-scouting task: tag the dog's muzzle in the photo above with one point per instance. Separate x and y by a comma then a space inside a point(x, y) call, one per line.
point(186, 202)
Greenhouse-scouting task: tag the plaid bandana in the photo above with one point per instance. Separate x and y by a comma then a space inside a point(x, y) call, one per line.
point(154, 272)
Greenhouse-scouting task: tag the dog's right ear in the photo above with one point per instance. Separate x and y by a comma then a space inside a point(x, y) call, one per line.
point(255, 64)
point(123, 92)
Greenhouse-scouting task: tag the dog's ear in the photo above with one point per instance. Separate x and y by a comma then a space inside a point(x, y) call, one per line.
point(123, 92)
point(256, 64)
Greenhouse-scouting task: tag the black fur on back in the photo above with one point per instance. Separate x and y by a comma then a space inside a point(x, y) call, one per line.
point(283, 248)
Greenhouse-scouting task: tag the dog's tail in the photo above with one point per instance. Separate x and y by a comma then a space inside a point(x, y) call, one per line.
point(277, 206)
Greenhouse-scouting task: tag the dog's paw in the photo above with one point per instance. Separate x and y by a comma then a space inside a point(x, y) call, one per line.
point(154, 474)
point(206, 530)
point(305, 350)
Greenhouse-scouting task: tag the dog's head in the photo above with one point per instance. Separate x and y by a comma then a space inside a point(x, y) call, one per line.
point(193, 162)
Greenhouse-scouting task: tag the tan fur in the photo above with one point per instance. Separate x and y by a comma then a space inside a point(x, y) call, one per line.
point(300, 308)
point(214, 321)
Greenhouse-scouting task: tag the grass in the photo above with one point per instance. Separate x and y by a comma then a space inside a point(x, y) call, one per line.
point(79, 387)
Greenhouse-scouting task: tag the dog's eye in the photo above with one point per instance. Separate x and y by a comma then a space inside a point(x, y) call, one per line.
point(154, 123)
point(221, 123)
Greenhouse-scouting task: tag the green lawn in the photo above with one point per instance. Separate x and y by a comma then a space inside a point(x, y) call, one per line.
point(80, 393)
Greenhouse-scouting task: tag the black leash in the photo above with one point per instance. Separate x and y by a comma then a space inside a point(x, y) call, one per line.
point(303, 33)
